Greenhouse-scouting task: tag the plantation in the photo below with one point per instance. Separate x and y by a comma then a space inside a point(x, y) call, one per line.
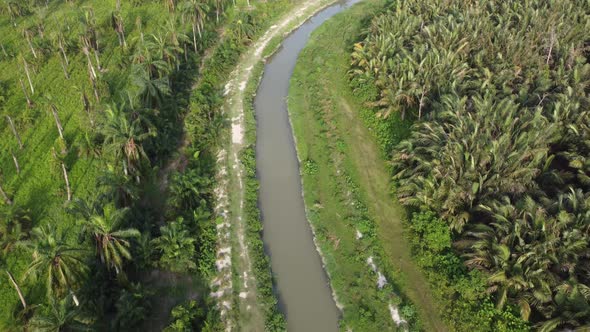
point(443, 146)
point(113, 118)
point(495, 170)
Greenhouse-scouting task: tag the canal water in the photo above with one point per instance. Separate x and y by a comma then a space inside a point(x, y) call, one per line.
point(305, 296)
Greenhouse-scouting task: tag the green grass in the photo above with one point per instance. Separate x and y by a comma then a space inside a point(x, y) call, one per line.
point(347, 185)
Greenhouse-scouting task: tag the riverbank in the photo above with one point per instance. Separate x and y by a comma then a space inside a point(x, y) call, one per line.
point(243, 285)
point(347, 190)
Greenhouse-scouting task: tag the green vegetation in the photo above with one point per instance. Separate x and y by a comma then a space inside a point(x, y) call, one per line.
point(275, 321)
point(112, 121)
point(344, 189)
point(495, 171)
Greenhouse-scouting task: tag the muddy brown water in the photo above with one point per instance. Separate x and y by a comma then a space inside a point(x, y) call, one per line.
point(303, 289)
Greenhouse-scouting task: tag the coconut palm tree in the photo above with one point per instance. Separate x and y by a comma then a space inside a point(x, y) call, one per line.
point(495, 156)
point(119, 27)
point(14, 225)
point(242, 28)
point(60, 265)
point(196, 12)
point(176, 246)
point(110, 237)
point(120, 188)
point(123, 138)
point(60, 315)
point(150, 90)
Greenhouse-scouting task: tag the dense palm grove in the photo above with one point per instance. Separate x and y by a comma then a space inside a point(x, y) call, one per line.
point(95, 96)
point(499, 155)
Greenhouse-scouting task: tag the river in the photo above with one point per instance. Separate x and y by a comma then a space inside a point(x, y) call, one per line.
point(303, 288)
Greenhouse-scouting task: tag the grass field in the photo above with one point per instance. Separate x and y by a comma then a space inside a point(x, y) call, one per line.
point(347, 188)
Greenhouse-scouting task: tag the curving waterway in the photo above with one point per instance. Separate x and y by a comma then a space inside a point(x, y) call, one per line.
point(305, 296)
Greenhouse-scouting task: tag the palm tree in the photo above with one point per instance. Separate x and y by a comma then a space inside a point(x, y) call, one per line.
point(132, 307)
point(150, 90)
point(59, 264)
point(242, 28)
point(14, 131)
point(119, 27)
point(495, 156)
point(176, 39)
point(14, 225)
point(60, 315)
point(196, 12)
point(170, 4)
point(123, 138)
point(111, 239)
point(120, 188)
point(219, 8)
point(164, 49)
point(177, 247)
point(60, 153)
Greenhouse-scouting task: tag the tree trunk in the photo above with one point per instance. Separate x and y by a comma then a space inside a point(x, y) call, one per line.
point(120, 39)
point(91, 70)
point(5, 196)
point(20, 294)
point(22, 85)
point(64, 68)
point(86, 104)
point(13, 128)
point(57, 121)
point(16, 165)
point(63, 51)
point(551, 43)
point(28, 38)
point(421, 104)
point(95, 88)
point(124, 40)
point(41, 30)
point(97, 57)
point(67, 179)
point(26, 65)
point(3, 50)
point(195, 38)
point(118, 5)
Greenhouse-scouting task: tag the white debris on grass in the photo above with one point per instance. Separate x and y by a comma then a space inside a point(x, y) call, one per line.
point(217, 294)
point(223, 263)
point(243, 295)
point(237, 133)
point(221, 225)
point(359, 235)
point(395, 315)
point(381, 280)
point(372, 264)
point(226, 250)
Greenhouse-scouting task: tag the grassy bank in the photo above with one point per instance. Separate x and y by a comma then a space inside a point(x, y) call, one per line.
point(346, 184)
